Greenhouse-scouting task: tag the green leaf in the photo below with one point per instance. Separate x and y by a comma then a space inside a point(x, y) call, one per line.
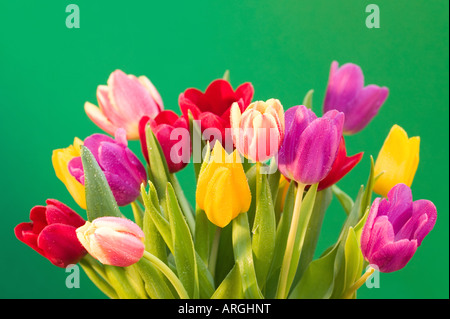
point(155, 282)
point(307, 100)
point(226, 75)
point(264, 227)
point(323, 200)
point(197, 144)
point(344, 199)
point(353, 260)
point(367, 197)
point(206, 280)
point(151, 205)
point(230, 287)
point(100, 200)
point(251, 180)
point(158, 169)
point(183, 245)
point(280, 241)
point(305, 215)
point(242, 248)
point(225, 258)
point(274, 179)
point(317, 281)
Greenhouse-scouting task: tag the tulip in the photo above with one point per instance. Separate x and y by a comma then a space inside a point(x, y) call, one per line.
point(395, 227)
point(51, 233)
point(397, 160)
point(123, 102)
point(342, 165)
point(259, 131)
point(113, 241)
point(222, 188)
point(123, 170)
point(346, 93)
point(60, 159)
point(310, 144)
point(172, 133)
point(213, 107)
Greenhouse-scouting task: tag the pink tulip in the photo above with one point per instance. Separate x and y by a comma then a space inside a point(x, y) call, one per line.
point(123, 102)
point(395, 227)
point(259, 131)
point(112, 240)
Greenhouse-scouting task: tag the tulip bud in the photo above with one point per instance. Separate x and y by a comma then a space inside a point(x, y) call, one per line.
point(112, 240)
point(259, 131)
point(123, 170)
point(310, 144)
point(397, 160)
point(395, 227)
point(123, 102)
point(60, 160)
point(222, 188)
point(51, 233)
point(346, 93)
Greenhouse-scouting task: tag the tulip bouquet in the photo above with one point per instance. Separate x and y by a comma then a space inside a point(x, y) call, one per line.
point(264, 178)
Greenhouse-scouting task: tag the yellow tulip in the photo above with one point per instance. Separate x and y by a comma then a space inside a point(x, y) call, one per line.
point(60, 159)
point(398, 160)
point(222, 188)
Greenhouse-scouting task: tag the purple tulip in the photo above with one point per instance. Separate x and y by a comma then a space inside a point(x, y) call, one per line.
point(123, 170)
point(395, 227)
point(346, 93)
point(310, 144)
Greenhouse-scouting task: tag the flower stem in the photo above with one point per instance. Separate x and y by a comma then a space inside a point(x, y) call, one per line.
point(350, 291)
point(283, 288)
point(214, 252)
point(168, 273)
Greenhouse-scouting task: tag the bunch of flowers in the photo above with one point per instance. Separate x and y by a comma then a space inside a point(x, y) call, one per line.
point(264, 178)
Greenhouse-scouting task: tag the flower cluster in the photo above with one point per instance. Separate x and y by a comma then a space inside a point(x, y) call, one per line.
point(264, 177)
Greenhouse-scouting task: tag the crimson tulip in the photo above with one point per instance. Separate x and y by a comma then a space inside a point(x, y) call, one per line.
point(52, 233)
point(212, 108)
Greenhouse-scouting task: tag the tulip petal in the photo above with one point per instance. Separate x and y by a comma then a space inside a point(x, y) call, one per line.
point(381, 234)
point(421, 222)
point(99, 118)
point(394, 256)
point(343, 87)
point(368, 226)
point(58, 213)
point(131, 97)
point(366, 105)
point(60, 245)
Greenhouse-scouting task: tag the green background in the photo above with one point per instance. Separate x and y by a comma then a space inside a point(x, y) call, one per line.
point(284, 48)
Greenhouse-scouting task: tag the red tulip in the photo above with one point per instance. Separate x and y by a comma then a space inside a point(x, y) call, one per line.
point(213, 107)
point(172, 133)
point(341, 166)
point(51, 233)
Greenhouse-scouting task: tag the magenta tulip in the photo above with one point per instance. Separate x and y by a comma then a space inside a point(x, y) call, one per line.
point(123, 170)
point(51, 233)
point(310, 144)
point(395, 227)
point(346, 93)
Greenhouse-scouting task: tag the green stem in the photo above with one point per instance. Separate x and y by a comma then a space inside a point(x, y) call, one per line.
point(350, 291)
point(96, 275)
point(121, 283)
point(283, 288)
point(214, 252)
point(168, 273)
